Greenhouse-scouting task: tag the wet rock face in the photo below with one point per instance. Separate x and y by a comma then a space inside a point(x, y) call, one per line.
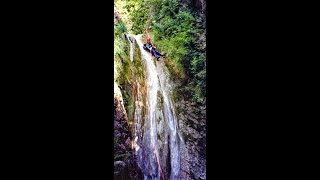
point(121, 133)
point(120, 170)
point(199, 5)
point(192, 123)
point(125, 166)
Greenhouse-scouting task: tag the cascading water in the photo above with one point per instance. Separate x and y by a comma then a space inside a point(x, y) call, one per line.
point(157, 140)
point(131, 47)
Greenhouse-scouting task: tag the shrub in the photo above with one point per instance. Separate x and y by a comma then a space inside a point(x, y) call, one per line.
point(173, 32)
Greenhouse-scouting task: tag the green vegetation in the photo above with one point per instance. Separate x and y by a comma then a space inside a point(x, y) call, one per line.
point(173, 31)
point(125, 71)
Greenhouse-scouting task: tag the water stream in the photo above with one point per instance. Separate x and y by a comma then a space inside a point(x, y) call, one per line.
point(157, 139)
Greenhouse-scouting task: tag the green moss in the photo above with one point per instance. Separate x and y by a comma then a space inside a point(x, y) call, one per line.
point(138, 64)
point(160, 99)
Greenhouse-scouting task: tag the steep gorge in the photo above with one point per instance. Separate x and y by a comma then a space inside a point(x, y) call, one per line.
point(160, 132)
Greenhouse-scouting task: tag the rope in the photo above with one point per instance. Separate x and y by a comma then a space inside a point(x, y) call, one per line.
point(161, 172)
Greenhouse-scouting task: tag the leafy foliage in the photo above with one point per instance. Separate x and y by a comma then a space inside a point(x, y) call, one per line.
point(174, 32)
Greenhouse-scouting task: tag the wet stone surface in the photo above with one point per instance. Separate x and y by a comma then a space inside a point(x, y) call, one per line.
point(125, 164)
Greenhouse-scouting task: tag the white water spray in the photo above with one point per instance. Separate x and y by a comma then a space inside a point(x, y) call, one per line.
point(131, 40)
point(157, 139)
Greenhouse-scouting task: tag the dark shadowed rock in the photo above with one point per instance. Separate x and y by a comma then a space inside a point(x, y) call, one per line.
point(193, 152)
point(120, 170)
point(125, 164)
point(119, 164)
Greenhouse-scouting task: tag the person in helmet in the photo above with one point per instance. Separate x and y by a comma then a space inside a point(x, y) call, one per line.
point(151, 48)
point(148, 44)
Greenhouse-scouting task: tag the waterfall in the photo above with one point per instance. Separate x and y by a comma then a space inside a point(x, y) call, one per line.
point(157, 139)
point(130, 39)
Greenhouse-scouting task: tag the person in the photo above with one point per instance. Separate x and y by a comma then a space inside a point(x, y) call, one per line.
point(152, 49)
point(155, 53)
point(148, 44)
